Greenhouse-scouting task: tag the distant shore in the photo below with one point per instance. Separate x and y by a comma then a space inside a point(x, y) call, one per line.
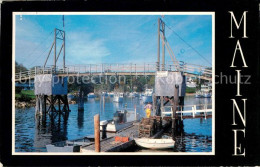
point(190, 94)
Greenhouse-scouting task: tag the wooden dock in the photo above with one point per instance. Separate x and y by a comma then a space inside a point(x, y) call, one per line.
point(110, 145)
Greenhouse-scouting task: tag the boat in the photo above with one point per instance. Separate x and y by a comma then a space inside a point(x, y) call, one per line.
point(190, 83)
point(155, 143)
point(205, 92)
point(91, 95)
point(110, 94)
point(207, 95)
point(70, 145)
point(70, 97)
point(104, 94)
point(118, 98)
point(133, 94)
point(141, 96)
point(198, 94)
point(148, 96)
point(118, 123)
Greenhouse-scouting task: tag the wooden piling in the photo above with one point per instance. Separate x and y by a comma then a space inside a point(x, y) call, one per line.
point(97, 133)
point(174, 108)
point(154, 104)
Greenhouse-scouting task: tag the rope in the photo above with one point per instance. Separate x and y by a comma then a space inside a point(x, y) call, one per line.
point(187, 43)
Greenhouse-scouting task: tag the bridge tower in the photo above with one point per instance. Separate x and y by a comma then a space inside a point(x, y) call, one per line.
point(170, 85)
point(50, 88)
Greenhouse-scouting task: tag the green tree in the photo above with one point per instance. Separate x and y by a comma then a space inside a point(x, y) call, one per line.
point(19, 67)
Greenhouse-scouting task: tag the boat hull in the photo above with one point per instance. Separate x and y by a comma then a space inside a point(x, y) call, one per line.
point(155, 143)
point(147, 99)
point(116, 127)
point(207, 95)
point(118, 99)
point(53, 148)
point(91, 96)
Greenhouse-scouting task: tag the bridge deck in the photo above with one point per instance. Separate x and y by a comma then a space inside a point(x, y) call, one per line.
point(116, 69)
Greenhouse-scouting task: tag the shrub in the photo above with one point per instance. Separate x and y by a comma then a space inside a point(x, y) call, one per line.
point(18, 89)
point(25, 98)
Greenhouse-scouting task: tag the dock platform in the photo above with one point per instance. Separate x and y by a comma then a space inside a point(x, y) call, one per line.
point(110, 145)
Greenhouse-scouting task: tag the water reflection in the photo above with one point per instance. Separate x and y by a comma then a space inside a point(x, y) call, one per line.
point(32, 135)
point(80, 119)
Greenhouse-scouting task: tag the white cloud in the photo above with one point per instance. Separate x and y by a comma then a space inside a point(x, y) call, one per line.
point(82, 48)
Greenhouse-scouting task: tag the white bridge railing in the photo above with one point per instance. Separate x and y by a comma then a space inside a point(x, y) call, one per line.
point(132, 69)
point(203, 108)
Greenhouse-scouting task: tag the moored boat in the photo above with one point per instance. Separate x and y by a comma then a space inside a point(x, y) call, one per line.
point(70, 145)
point(155, 143)
point(111, 94)
point(119, 122)
point(207, 95)
point(133, 94)
point(148, 96)
point(118, 98)
point(91, 95)
point(198, 94)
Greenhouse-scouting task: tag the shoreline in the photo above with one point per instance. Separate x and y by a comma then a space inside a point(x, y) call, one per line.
point(190, 94)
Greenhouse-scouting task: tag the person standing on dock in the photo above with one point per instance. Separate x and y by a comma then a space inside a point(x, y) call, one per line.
point(148, 109)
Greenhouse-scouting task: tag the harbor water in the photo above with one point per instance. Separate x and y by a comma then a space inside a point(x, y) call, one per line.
point(32, 135)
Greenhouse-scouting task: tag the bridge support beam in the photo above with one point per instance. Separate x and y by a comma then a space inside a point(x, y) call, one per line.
point(62, 108)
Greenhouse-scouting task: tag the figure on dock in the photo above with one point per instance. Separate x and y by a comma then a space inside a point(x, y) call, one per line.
point(148, 109)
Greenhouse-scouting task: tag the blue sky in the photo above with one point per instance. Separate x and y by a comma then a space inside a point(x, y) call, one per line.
point(92, 39)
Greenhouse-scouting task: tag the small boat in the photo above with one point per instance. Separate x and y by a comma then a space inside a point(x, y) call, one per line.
point(155, 143)
point(118, 98)
point(91, 95)
point(70, 97)
point(207, 95)
point(119, 122)
point(70, 145)
point(110, 94)
point(133, 94)
point(148, 96)
point(198, 95)
point(104, 94)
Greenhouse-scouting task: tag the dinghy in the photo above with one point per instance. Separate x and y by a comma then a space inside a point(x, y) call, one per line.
point(70, 145)
point(155, 143)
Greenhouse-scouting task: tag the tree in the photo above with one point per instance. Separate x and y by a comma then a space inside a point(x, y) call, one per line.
point(19, 67)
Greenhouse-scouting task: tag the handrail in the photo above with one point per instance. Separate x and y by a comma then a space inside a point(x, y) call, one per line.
point(114, 68)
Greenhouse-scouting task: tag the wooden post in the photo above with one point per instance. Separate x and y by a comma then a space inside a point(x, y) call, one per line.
point(161, 106)
point(174, 108)
point(135, 113)
point(97, 133)
point(154, 104)
point(59, 103)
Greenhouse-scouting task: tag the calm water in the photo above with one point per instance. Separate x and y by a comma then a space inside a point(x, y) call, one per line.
point(32, 135)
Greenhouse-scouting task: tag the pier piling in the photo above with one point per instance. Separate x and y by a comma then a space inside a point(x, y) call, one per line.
point(97, 133)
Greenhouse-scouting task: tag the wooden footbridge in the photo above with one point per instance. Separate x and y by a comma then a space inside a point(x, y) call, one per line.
point(131, 69)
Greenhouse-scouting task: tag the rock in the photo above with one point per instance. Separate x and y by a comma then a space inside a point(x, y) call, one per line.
point(72, 102)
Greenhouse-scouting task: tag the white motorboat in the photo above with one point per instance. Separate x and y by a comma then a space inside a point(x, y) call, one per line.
point(198, 94)
point(133, 94)
point(110, 94)
point(91, 95)
point(155, 143)
point(70, 145)
point(119, 122)
point(205, 92)
point(148, 96)
point(118, 98)
point(207, 95)
point(104, 94)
